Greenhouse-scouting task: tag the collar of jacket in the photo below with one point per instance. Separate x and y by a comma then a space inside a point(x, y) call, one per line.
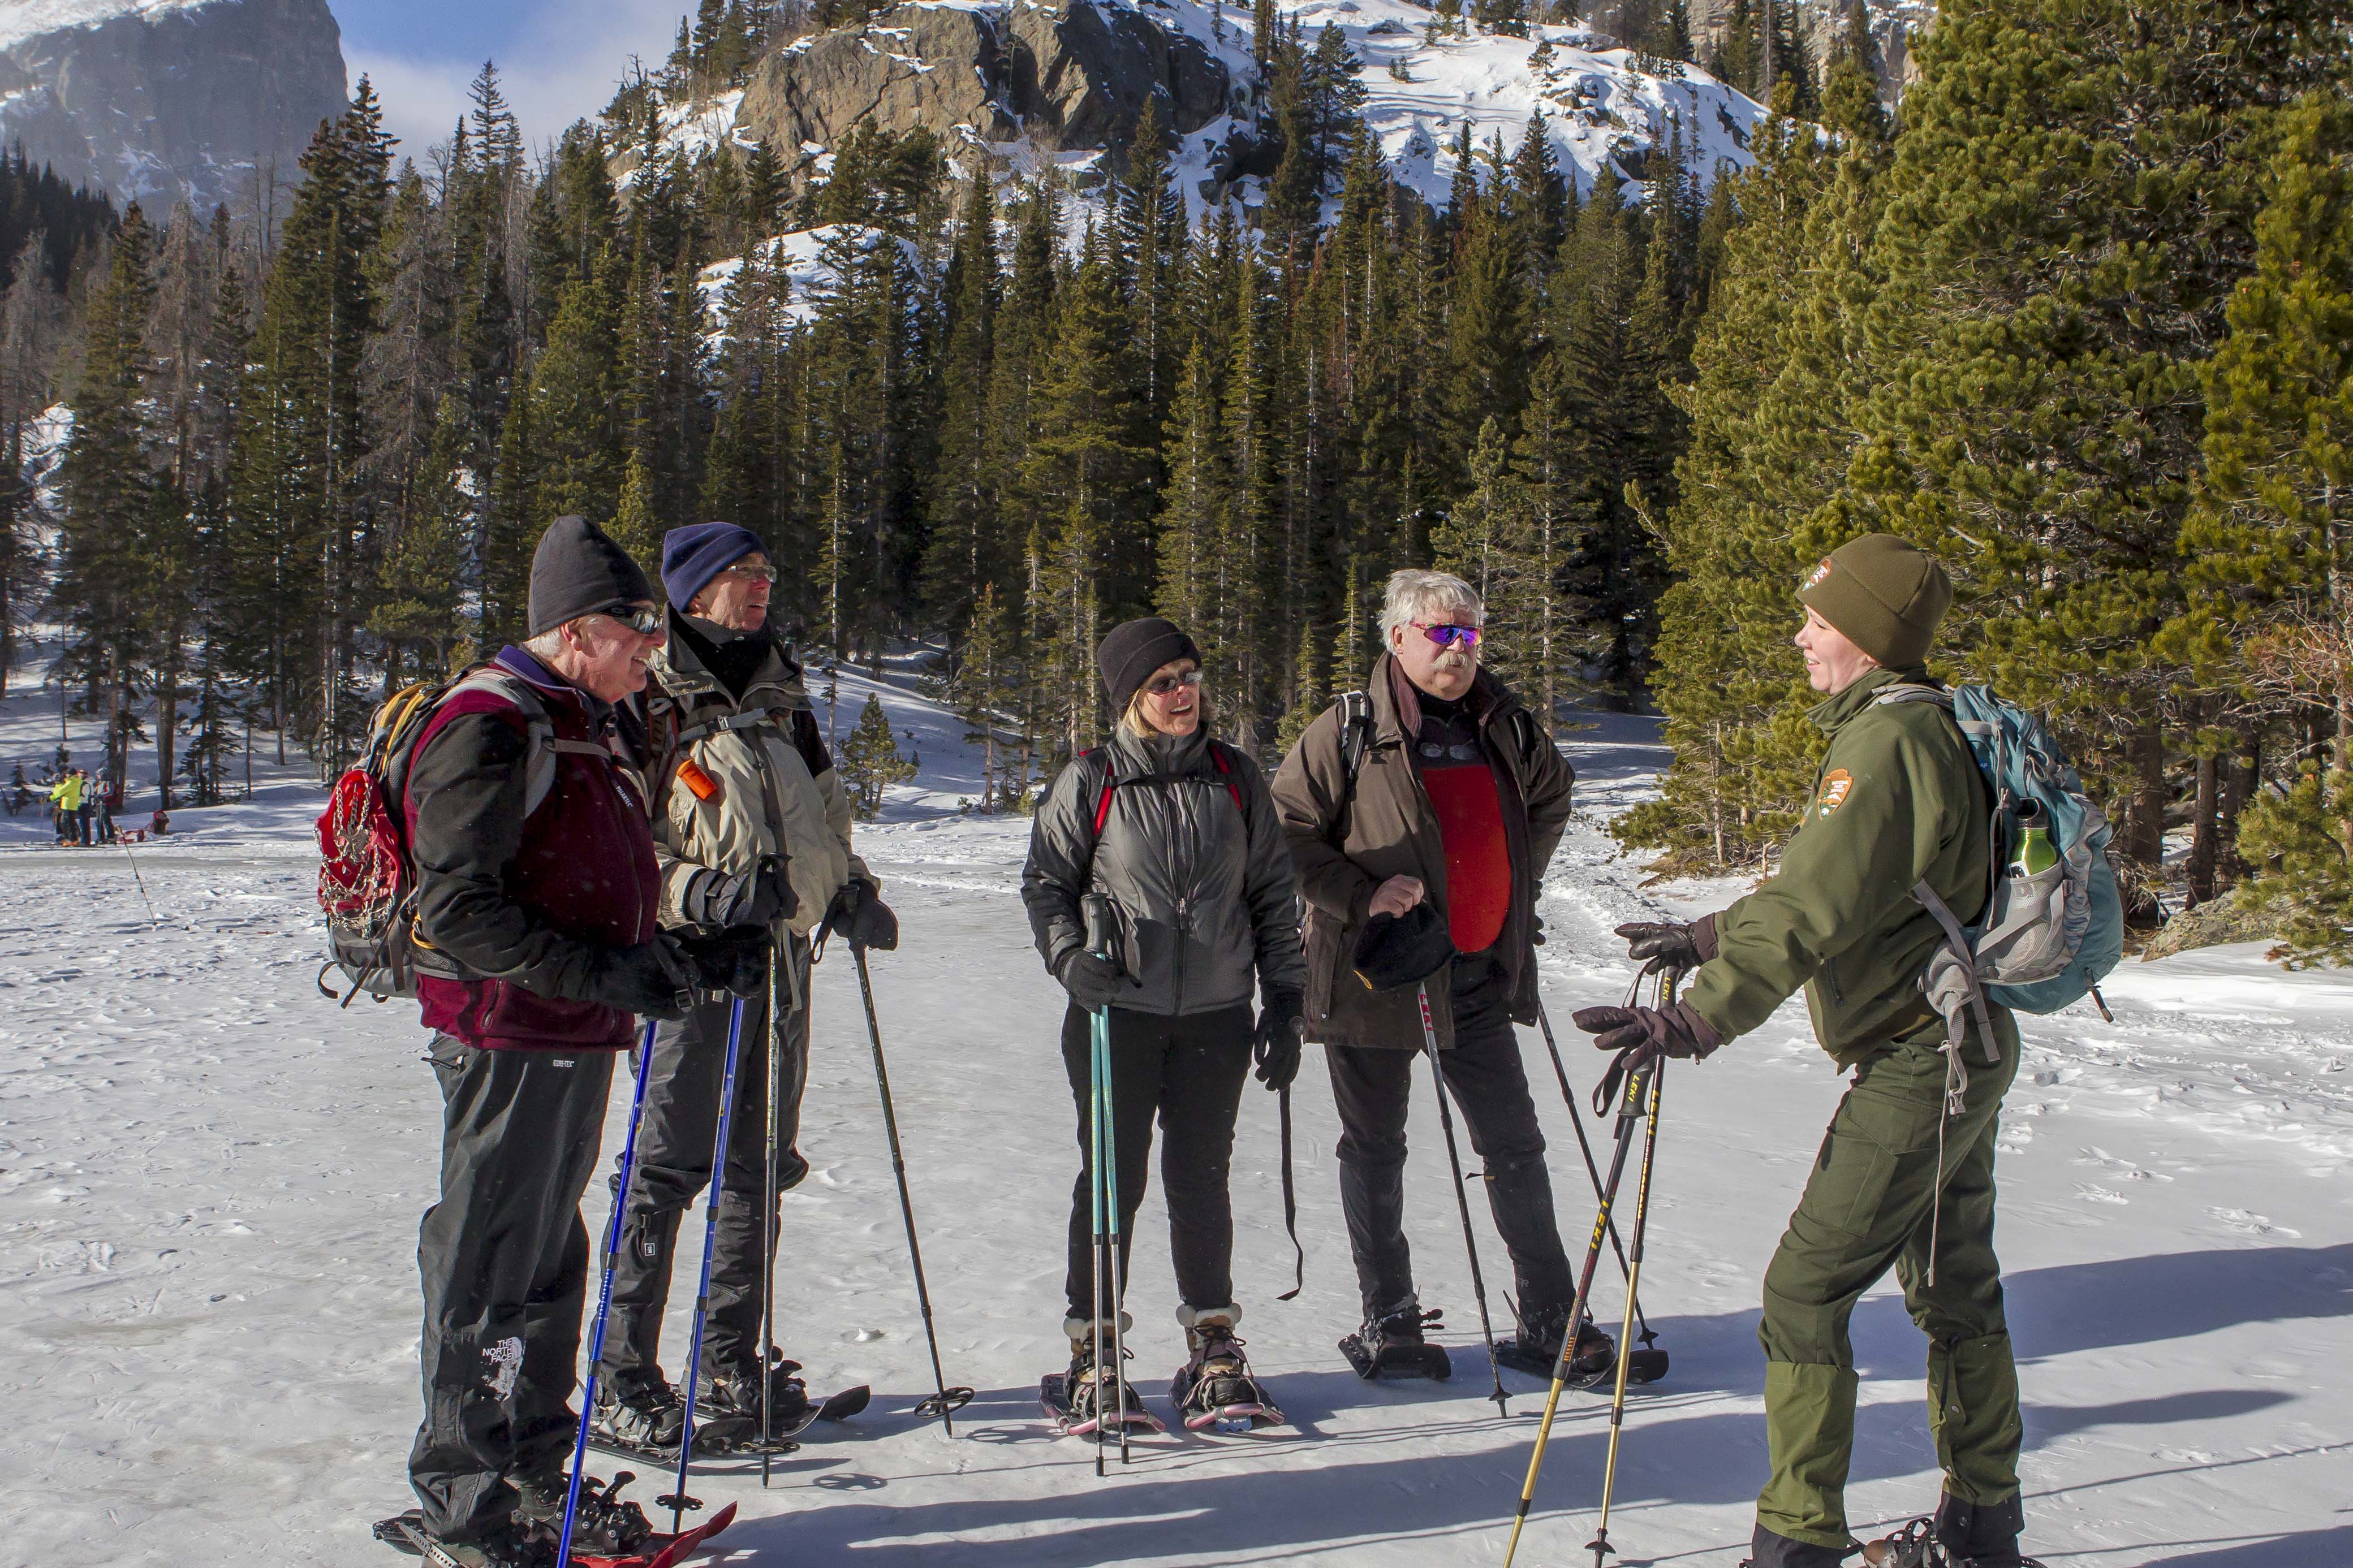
point(1488, 699)
point(1140, 756)
point(685, 680)
point(524, 668)
point(1832, 714)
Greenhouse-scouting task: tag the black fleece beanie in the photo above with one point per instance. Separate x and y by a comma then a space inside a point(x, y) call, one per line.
point(578, 571)
point(1133, 650)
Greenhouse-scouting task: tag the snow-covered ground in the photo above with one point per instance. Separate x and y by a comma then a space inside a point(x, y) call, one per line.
point(210, 1179)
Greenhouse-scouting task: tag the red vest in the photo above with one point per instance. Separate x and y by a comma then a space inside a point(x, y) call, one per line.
point(1478, 853)
point(586, 867)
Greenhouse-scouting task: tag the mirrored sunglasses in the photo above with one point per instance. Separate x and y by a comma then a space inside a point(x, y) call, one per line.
point(1447, 636)
point(1162, 685)
point(643, 620)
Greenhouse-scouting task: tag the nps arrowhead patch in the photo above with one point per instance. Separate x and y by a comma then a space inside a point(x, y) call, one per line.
point(1837, 784)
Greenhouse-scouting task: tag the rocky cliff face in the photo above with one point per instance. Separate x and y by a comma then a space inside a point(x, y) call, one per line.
point(1065, 78)
point(1891, 24)
point(156, 100)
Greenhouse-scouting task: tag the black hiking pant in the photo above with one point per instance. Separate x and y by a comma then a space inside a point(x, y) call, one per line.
point(674, 1148)
point(1373, 1087)
point(1188, 1070)
point(504, 1258)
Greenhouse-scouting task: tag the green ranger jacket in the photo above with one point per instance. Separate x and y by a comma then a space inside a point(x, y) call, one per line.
point(1898, 800)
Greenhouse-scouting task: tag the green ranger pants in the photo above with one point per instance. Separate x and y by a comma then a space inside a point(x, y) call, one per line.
point(1870, 1204)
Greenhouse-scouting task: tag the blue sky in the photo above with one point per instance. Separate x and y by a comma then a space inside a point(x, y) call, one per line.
point(560, 59)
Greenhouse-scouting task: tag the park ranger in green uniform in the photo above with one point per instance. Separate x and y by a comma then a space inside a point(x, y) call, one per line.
point(1905, 1176)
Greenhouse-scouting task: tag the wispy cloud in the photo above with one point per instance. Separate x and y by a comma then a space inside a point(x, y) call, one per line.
point(562, 64)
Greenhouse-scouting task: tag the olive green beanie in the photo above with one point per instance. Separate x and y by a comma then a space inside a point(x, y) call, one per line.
point(1884, 593)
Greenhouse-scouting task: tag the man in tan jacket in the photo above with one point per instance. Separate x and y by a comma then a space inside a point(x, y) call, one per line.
point(751, 827)
point(1450, 792)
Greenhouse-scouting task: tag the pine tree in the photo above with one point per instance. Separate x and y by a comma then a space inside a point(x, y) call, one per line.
point(870, 761)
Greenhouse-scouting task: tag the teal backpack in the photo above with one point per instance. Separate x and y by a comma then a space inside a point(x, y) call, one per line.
point(2054, 924)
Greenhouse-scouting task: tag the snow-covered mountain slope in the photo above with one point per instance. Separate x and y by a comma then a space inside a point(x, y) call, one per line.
point(160, 100)
point(210, 1180)
point(1042, 86)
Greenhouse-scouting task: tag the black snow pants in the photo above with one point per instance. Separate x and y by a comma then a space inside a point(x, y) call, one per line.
point(1373, 1087)
point(1189, 1071)
point(674, 1149)
point(503, 1256)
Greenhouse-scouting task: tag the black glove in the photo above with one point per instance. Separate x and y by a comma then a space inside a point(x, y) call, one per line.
point(1677, 947)
point(1276, 1043)
point(859, 913)
point(735, 961)
point(650, 980)
point(1093, 982)
point(1649, 1031)
point(760, 896)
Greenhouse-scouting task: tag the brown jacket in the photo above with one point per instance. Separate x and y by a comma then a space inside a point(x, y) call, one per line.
point(1343, 850)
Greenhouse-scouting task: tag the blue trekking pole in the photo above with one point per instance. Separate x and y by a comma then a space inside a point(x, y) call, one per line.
point(605, 1293)
point(678, 1501)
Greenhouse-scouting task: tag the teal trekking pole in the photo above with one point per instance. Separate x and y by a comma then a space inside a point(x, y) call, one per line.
point(678, 1501)
point(1105, 1198)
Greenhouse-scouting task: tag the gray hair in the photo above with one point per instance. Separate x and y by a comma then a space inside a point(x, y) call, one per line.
point(549, 644)
point(1413, 594)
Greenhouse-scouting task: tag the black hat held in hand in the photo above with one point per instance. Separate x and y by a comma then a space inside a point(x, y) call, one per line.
point(1394, 951)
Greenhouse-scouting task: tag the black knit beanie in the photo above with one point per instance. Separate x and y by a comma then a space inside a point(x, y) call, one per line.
point(1133, 650)
point(578, 571)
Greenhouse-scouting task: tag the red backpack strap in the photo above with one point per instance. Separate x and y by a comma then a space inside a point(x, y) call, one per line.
point(1226, 770)
point(1111, 782)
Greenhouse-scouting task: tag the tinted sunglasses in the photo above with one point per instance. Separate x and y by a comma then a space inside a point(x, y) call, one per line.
point(1447, 636)
point(1162, 685)
point(644, 620)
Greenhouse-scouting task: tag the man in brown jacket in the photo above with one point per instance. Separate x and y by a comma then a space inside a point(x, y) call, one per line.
point(1450, 792)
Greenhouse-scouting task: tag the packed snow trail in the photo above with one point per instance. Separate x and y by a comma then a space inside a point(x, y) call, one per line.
point(210, 1180)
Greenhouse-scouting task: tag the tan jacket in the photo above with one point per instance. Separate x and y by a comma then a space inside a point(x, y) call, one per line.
point(778, 793)
point(1344, 850)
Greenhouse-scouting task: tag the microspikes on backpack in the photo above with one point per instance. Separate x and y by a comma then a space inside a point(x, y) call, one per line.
point(368, 881)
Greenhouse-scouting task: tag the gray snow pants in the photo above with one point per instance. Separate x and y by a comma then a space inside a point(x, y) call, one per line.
point(674, 1149)
point(504, 1258)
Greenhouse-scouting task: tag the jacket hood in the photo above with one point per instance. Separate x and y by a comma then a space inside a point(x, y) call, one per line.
point(683, 673)
point(1488, 699)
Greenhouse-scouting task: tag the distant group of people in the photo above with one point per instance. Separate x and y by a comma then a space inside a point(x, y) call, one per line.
point(634, 815)
point(80, 805)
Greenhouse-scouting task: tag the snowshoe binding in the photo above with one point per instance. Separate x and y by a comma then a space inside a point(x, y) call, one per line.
point(1959, 1535)
point(538, 1546)
point(1394, 1344)
point(1216, 1388)
point(637, 1416)
point(1535, 1350)
point(1087, 1399)
point(729, 1402)
point(603, 1525)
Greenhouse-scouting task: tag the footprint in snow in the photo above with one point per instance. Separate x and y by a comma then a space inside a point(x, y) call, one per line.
point(2099, 1196)
point(2252, 1223)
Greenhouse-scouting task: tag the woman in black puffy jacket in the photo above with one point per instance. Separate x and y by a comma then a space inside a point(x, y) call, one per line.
point(1177, 832)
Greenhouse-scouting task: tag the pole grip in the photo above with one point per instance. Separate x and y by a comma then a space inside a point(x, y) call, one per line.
point(1096, 909)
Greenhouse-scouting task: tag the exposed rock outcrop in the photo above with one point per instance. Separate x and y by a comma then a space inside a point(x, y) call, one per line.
point(1070, 77)
point(159, 100)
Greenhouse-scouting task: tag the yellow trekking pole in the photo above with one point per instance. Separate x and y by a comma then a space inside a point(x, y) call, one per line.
point(1600, 1545)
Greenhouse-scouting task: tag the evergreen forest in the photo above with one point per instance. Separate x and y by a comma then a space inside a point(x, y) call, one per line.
point(2077, 318)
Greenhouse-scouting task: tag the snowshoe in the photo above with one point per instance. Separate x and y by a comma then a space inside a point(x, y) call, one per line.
point(1535, 1350)
point(1394, 1345)
point(730, 1433)
point(1216, 1388)
point(1960, 1535)
point(733, 1388)
point(536, 1549)
point(1086, 1399)
point(638, 1417)
point(601, 1523)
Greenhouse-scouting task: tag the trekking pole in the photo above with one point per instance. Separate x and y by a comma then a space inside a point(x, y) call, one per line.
point(605, 1291)
point(768, 1244)
point(1600, 1545)
point(152, 917)
point(1593, 1171)
point(678, 1501)
point(1462, 1201)
point(1107, 1157)
point(1625, 1136)
point(948, 1400)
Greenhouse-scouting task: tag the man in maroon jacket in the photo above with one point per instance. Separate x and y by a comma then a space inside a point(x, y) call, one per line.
point(540, 901)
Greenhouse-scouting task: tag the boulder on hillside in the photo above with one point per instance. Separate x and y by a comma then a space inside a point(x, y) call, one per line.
point(1070, 78)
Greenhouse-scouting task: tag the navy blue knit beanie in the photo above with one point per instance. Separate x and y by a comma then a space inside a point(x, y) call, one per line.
point(693, 555)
